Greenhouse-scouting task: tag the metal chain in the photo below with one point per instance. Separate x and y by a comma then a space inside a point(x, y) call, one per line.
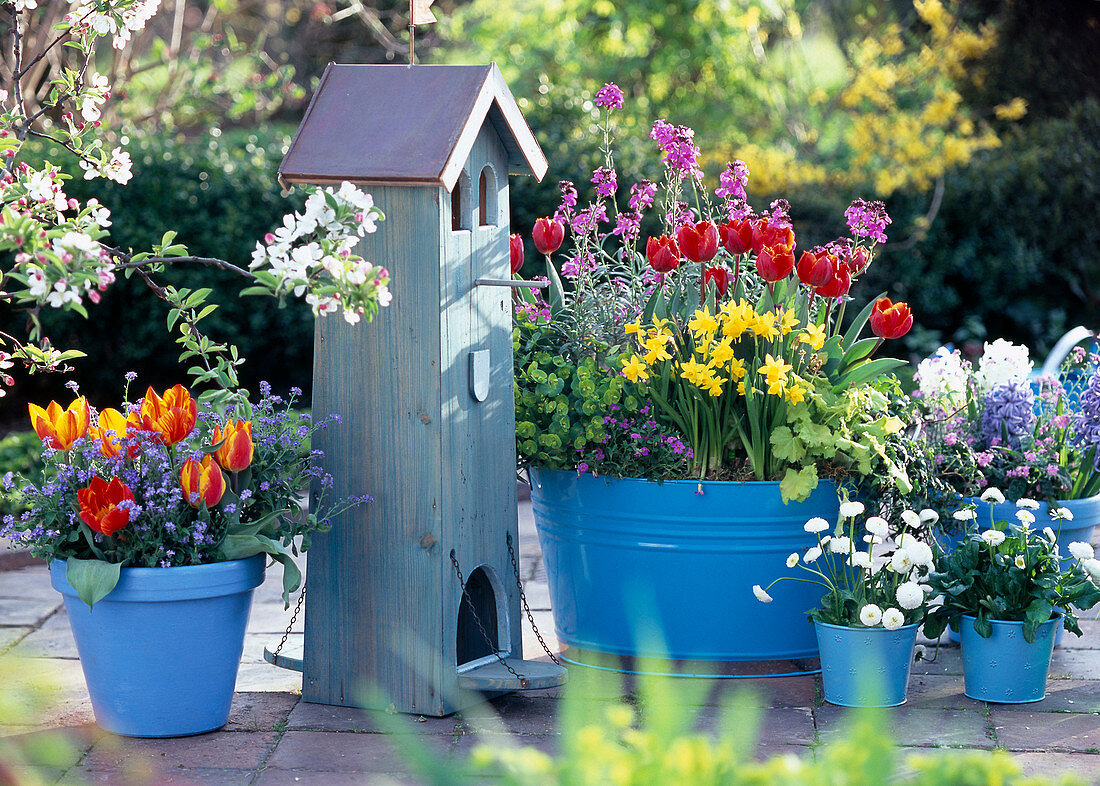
point(293, 619)
point(481, 625)
point(523, 600)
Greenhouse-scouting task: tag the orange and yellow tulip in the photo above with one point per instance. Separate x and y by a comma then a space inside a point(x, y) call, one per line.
point(120, 429)
point(236, 451)
point(62, 427)
point(202, 482)
point(100, 505)
point(172, 415)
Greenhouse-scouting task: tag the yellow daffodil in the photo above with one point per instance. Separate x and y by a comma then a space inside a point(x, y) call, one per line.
point(775, 371)
point(635, 369)
point(633, 327)
point(796, 393)
point(764, 326)
point(787, 322)
point(702, 323)
point(694, 372)
point(737, 368)
point(713, 384)
point(722, 352)
point(776, 388)
point(741, 388)
point(814, 335)
point(656, 349)
point(736, 319)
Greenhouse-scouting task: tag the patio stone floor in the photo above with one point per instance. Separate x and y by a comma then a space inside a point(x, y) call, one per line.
point(273, 737)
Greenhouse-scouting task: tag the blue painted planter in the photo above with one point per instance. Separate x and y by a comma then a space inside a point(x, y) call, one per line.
point(865, 667)
point(642, 569)
point(1004, 668)
point(160, 653)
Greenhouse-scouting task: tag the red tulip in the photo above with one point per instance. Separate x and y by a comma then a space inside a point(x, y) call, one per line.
point(765, 235)
point(816, 270)
point(840, 283)
point(62, 427)
point(236, 450)
point(699, 243)
point(172, 415)
point(515, 251)
point(720, 276)
point(662, 253)
point(860, 260)
point(890, 320)
point(736, 235)
point(100, 505)
point(775, 263)
point(202, 482)
point(547, 235)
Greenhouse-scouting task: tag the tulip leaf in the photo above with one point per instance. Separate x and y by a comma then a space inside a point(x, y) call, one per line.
point(866, 372)
point(858, 351)
point(93, 579)
point(861, 319)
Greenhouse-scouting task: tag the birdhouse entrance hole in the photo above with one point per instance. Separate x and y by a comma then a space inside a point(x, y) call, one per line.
point(471, 644)
point(461, 207)
point(487, 197)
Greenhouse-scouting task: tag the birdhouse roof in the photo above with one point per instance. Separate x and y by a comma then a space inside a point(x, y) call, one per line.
point(406, 125)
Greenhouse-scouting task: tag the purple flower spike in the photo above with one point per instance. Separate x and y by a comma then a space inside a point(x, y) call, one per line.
point(610, 97)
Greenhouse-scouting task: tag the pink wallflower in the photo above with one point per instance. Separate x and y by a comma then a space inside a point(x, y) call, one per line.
point(868, 219)
point(606, 181)
point(680, 154)
point(564, 213)
point(610, 96)
point(642, 194)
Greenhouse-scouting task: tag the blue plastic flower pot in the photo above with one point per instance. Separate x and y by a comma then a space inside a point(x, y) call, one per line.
point(160, 652)
point(1005, 668)
point(865, 667)
point(641, 569)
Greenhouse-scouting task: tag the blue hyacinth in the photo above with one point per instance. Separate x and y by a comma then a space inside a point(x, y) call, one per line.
point(1086, 421)
point(1009, 409)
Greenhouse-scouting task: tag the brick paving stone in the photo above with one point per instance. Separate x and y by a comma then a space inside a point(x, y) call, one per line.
point(1080, 696)
point(344, 752)
point(260, 711)
point(1075, 664)
point(54, 639)
point(764, 752)
point(217, 750)
point(145, 773)
point(549, 744)
point(318, 778)
point(948, 661)
point(27, 611)
point(777, 725)
point(323, 717)
point(914, 726)
point(1047, 731)
point(512, 714)
point(1083, 765)
point(939, 691)
point(11, 635)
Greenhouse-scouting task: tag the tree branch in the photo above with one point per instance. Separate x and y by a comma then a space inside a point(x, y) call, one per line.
point(925, 222)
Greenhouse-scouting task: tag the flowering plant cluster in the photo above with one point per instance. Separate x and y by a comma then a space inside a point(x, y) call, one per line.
point(875, 575)
point(731, 332)
point(1014, 572)
point(991, 425)
point(166, 481)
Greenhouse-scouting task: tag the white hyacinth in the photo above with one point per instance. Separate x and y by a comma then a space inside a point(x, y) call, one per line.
point(994, 537)
point(1082, 551)
point(815, 525)
point(1002, 363)
point(870, 615)
point(1027, 504)
point(892, 619)
point(994, 495)
point(850, 510)
point(909, 595)
point(943, 378)
point(760, 594)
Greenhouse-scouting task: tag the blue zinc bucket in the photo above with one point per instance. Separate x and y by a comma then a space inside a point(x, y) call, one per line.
point(160, 652)
point(665, 570)
point(1005, 668)
point(865, 667)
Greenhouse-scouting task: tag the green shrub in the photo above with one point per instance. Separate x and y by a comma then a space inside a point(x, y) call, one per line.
point(21, 455)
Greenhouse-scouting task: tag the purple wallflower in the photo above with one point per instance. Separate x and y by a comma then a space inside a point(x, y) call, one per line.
point(610, 96)
point(1008, 410)
point(678, 146)
point(568, 201)
point(588, 219)
point(606, 181)
point(868, 219)
point(628, 226)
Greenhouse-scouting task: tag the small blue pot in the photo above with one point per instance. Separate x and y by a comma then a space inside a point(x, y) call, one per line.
point(160, 652)
point(641, 569)
point(1005, 668)
point(865, 667)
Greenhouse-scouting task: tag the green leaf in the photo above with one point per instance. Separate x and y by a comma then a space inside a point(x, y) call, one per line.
point(797, 485)
point(92, 579)
point(866, 372)
point(787, 446)
point(861, 319)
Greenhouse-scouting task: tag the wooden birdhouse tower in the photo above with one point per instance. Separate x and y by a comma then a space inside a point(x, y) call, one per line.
point(425, 393)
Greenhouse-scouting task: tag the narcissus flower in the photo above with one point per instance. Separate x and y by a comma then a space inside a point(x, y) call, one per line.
point(202, 482)
point(774, 263)
point(101, 505)
point(662, 253)
point(236, 450)
point(698, 242)
point(515, 253)
point(172, 415)
point(62, 427)
point(548, 235)
point(890, 320)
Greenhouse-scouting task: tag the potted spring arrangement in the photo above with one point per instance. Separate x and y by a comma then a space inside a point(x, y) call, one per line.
point(877, 591)
point(994, 429)
point(1007, 590)
point(157, 519)
point(686, 403)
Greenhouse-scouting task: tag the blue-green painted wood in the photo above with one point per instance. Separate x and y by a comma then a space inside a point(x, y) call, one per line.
point(382, 608)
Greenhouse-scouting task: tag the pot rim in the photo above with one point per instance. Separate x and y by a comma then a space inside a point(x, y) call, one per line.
point(1057, 615)
point(683, 482)
point(181, 582)
point(877, 629)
